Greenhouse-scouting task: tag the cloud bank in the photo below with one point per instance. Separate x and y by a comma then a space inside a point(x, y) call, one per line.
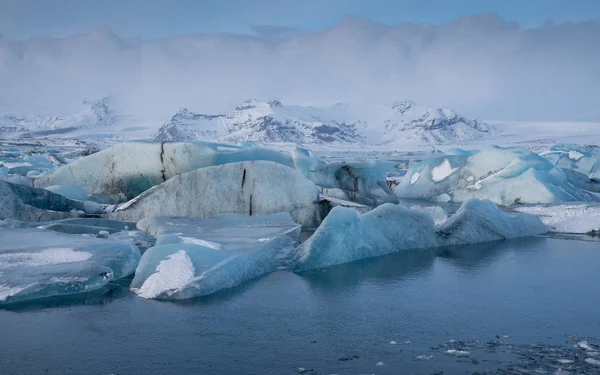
point(480, 65)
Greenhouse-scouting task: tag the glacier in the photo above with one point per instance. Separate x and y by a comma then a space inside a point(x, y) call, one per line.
point(346, 236)
point(503, 175)
point(63, 265)
point(252, 188)
point(197, 257)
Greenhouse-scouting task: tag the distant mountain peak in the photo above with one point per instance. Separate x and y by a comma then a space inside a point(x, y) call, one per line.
point(272, 121)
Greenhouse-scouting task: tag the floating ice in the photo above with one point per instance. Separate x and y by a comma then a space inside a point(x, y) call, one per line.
point(232, 232)
point(481, 221)
point(24, 203)
point(239, 252)
point(438, 213)
point(502, 175)
point(362, 181)
point(593, 362)
point(577, 158)
point(71, 192)
point(133, 167)
point(63, 265)
point(458, 353)
point(567, 218)
point(345, 235)
point(252, 188)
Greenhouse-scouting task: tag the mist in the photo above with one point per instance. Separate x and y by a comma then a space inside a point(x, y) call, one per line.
point(481, 65)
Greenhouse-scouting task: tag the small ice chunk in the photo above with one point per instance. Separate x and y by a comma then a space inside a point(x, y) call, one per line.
point(565, 361)
point(424, 357)
point(585, 346)
point(103, 234)
point(593, 362)
point(458, 353)
point(379, 364)
point(442, 171)
point(393, 342)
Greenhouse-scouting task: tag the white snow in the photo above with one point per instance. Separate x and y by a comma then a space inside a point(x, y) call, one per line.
point(442, 171)
point(198, 241)
point(44, 257)
point(414, 178)
point(575, 155)
point(172, 275)
point(9, 291)
point(567, 218)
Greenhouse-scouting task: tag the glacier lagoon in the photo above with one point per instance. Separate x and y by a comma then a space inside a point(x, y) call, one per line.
point(515, 304)
point(412, 283)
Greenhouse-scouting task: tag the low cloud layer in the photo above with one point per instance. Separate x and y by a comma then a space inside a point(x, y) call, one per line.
point(481, 65)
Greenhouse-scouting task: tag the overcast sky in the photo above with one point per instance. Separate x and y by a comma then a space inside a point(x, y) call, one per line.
point(530, 59)
point(150, 19)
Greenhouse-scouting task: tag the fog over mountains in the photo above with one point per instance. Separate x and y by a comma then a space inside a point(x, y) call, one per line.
point(481, 65)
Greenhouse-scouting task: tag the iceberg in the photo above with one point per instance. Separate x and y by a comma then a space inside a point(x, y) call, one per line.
point(197, 257)
point(581, 164)
point(20, 202)
point(503, 175)
point(346, 236)
point(362, 181)
point(482, 221)
point(63, 265)
point(568, 218)
point(251, 188)
point(131, 168)
point(581, 159)
point(71, 192)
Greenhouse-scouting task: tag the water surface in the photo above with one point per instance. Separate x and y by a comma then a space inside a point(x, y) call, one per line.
point(338, 320)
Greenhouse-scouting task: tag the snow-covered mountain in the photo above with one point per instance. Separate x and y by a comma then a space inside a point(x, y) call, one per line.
point(271, 122)
point(93, 115)
point(266, 122)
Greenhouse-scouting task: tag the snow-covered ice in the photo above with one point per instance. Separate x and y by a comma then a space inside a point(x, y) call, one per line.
point(346, 236)
point(503, 175)
point(37, 264)
point(481, 221)
point(567, 218)
point(177, 270)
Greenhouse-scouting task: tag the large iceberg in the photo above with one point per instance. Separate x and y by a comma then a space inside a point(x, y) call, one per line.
point(581, 164)
point(482, 221)
point(63, 265)
point(197, 257)
point(134, 167)
point(568, 218)
point(251, 188)
point(362, 181)
point(502, 175)
point(345, 235)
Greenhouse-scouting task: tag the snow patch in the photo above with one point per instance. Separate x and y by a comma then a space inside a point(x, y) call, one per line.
point(171, 275)
point(442, 171)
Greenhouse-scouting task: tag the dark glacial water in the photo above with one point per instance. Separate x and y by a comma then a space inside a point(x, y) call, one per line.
point(516, 306)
